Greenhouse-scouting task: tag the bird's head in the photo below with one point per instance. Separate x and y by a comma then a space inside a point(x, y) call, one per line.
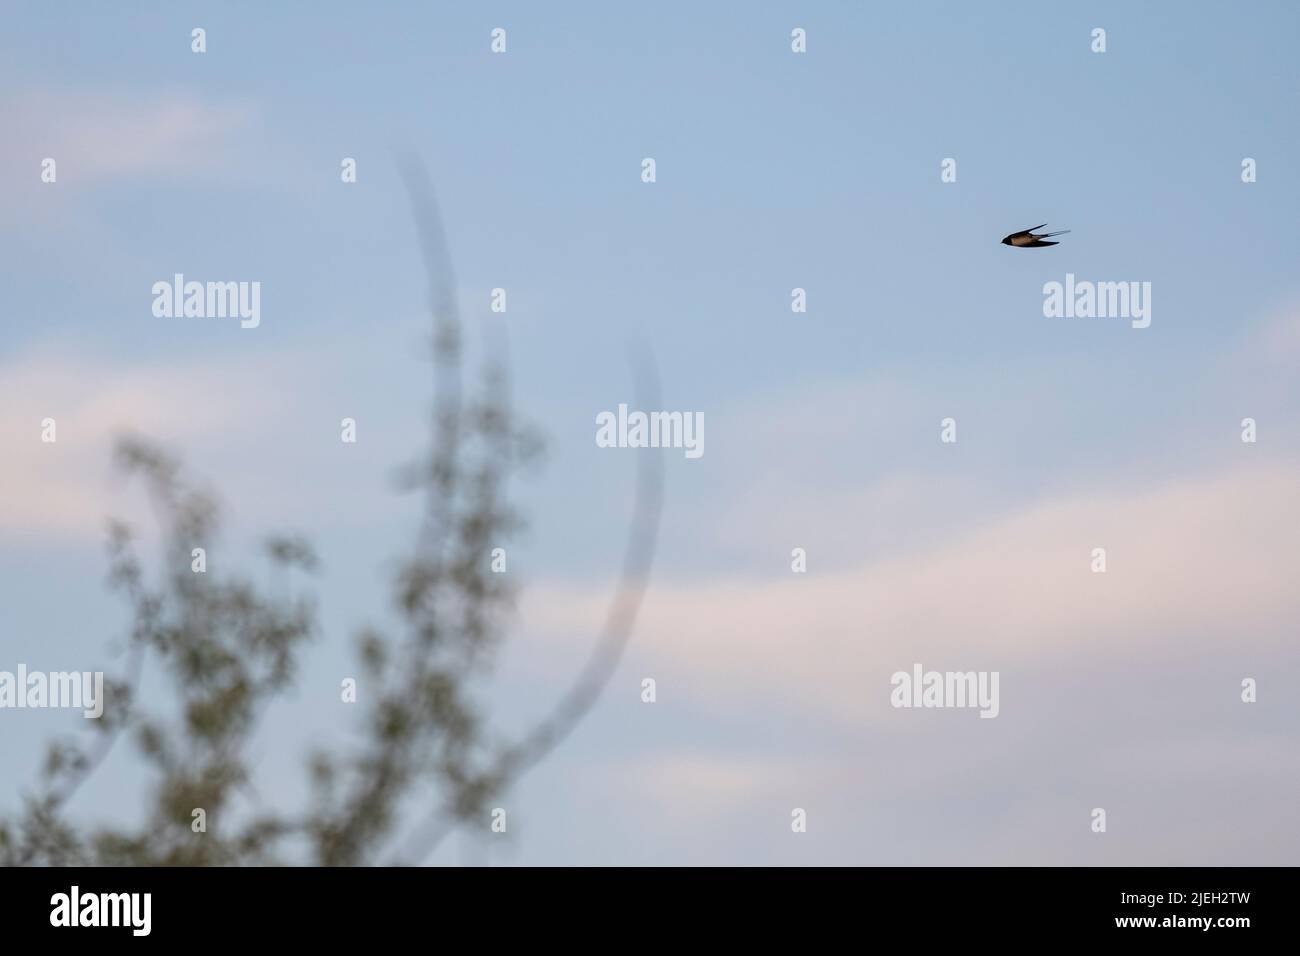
point(1006, 241)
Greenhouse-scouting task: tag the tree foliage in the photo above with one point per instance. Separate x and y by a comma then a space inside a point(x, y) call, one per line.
point(230, 646)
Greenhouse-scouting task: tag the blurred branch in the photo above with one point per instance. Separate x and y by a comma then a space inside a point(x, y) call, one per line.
point(229, 649)
point(603, 660)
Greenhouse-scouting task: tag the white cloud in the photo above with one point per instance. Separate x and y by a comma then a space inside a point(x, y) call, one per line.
point(1204, 560)
point(259, 426)
point(700, 783)
point(64, 488)
point(97, 135)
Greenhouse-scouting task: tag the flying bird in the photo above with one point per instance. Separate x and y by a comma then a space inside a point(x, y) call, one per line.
point(1028, 239)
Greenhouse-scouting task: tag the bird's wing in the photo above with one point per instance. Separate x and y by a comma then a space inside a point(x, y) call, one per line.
point(1046, 234)
point(1042, 243)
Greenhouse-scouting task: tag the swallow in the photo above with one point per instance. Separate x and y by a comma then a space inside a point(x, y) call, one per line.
point(1027, 238)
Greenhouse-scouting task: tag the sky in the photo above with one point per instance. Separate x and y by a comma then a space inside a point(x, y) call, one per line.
point(775, 170)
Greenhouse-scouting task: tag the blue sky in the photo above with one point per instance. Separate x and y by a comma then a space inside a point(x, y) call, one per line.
point(775, 170)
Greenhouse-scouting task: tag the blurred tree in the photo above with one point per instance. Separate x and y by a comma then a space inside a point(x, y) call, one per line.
point(229, 648)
